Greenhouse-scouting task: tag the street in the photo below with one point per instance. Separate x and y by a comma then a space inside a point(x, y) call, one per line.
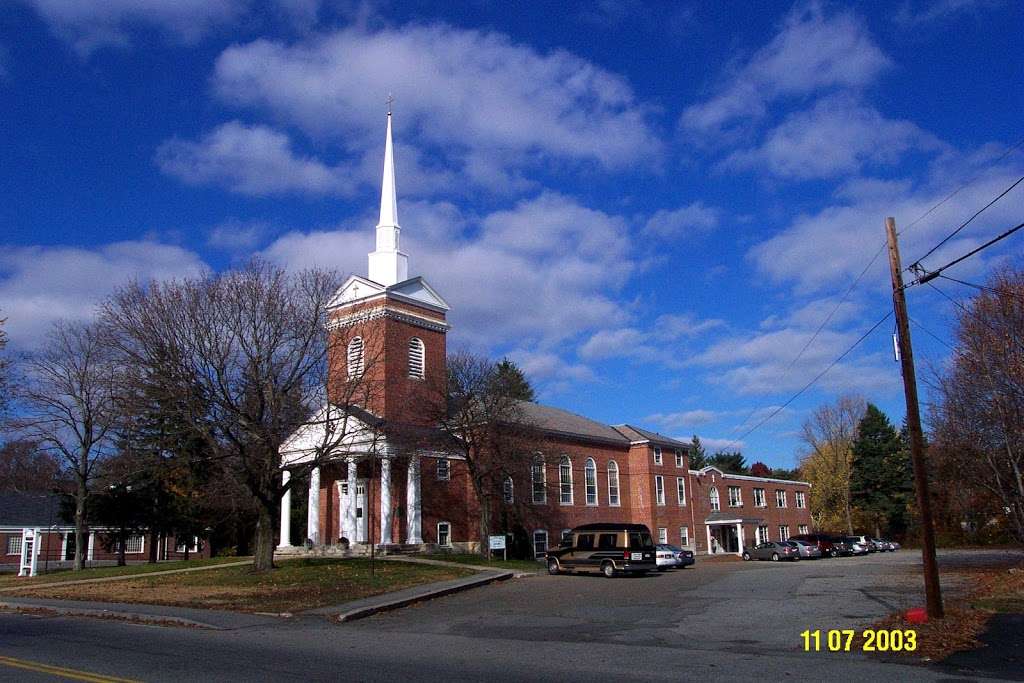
point(722, 621)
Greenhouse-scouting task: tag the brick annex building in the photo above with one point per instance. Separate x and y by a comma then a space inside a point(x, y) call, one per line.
point(389, 330)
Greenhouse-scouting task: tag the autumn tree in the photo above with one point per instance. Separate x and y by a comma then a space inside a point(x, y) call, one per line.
point(68, 405)
point(244, 354)
point(829, 434)
point(978, 413)
point(759, 469)
point(881, 478)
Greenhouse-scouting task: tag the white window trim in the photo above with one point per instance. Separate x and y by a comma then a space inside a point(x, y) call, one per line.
point(804, 529)
point(801, 500)
point(783, 532)
point(561, 481)
point(780, 495)
point(533, 540)
point(444, 472)
point(616, 500)
point(180, 547)
point(355, 366)
point(508, 490)
point(681, 490)
point(449, 526)
point(11, 542)
point(714, 499)
point(659, 489)
point(738, 502)
point(679, 458)
point(142, 545)
point(760, 501)
point(662, 534)
point(416, 346)
point(539, 465)
point(684, 536)
point(657, 455)
point(590, 467)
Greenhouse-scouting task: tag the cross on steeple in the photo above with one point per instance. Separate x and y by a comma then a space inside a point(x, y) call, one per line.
point(389, 101)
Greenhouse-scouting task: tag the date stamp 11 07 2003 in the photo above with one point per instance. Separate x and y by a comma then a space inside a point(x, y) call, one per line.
point(871, 640)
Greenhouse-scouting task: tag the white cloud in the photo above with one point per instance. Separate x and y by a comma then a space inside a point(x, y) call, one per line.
point(92, 24)
point(237, 236)
point(658, 344)
point(541, 272)
point(254, 160)
point(713, 445)
point(913, 15)
point(483, 102)
point(811, 52)
point(685, 419)
point(695, 217)
point(39, 285)
point(836, 136)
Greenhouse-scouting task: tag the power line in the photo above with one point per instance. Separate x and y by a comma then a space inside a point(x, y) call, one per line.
point(817, 377)
point(972, 314)
point(931, 275)
point(916, 265)
point(932, 334)
point(984, 288)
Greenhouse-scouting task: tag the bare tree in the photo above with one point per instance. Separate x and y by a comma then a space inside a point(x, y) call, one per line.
point(829, 434)
point(978, 415)
point(486, 424)
point(68, 405)
point(245, 355)
point(5, 369)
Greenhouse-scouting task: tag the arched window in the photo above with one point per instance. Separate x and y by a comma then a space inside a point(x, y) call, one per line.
point(508, 491)
point(538, 477)
point(590, 480)
point(355, 358)
point(565, 480)
point(417, 358)
point(715, 503)
point(613, 482)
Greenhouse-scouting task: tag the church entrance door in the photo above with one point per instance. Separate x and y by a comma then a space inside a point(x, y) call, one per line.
point(361, 512)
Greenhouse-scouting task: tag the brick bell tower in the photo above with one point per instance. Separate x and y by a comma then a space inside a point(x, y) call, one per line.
point(387, 330)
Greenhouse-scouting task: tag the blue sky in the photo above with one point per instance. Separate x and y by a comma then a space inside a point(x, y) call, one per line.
point(651, 207)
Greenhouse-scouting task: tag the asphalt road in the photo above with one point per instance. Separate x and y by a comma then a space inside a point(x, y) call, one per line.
point(717, 621)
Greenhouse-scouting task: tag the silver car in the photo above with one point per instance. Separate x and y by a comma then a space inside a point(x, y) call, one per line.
point(772, 550)
point(808, 551)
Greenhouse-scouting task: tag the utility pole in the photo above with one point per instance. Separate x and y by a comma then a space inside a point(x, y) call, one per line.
point(933, 592)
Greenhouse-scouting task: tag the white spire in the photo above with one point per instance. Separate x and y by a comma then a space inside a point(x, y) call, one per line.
point(388, 265)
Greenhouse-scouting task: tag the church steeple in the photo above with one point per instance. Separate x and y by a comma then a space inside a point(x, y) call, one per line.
point(388, 265)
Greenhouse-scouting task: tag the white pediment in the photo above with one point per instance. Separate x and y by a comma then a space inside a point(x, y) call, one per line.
point(327, 430)
point(418, 290)
point(354, 289)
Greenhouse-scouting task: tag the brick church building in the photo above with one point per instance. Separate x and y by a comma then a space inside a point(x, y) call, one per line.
point(388, 332)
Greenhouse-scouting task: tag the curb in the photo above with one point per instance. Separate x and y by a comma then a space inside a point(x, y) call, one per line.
point(137, 617)
point(122, 577)
point(397, 603)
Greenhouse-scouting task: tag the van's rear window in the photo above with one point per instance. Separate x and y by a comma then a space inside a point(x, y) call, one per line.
point(640, 540)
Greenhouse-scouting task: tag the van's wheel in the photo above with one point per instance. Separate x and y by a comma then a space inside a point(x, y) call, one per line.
point(608, 569)
point(746, 556)
point(775, 557)
point(553, 566)
point(834, 553)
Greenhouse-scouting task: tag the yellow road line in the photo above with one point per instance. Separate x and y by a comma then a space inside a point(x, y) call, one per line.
point(73, 674)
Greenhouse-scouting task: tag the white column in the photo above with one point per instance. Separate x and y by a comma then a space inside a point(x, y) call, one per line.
point(739, 536)
point(286, 513)
point(90, 553)
point(350, 503)
point(412, 502)
point(313, 507)
point(385, 500)
point(707, 527)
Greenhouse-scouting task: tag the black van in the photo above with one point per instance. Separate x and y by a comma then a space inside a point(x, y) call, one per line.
point(610, 548)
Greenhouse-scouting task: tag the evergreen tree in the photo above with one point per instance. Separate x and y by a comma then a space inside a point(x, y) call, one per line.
point(732, 462)
point(512, 382)
point(698, 456)
point(880, 481)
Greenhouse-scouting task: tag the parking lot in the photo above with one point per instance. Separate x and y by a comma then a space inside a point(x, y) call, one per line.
point(739, 607)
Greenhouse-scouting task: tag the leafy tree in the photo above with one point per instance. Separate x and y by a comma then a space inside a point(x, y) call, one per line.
point(880, 480)
point(759, 469)
point(729, 461)
point(121, 508)
point(698, 456)
point(829, 434)
point(790, 475)
point(512, 382)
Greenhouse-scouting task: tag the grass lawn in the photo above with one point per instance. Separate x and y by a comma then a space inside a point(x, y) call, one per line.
point(13, 580)
point(478, 560)
point(296, 585)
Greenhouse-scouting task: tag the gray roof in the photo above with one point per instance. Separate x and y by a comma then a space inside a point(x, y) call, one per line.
point(730, 516)
point(558, 421)
point(634, 433)
point(29, 509)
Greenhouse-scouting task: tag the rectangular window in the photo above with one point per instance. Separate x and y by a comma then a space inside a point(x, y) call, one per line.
point(783, 532)
point(679, 458)
point(508, 492)
point(735, 497)
point(590, 480)
point(613, 484)
point(607, 541)
point(540, 543)
point(759, 499)
point(444, 469)
point(538, 476)
point(762, 535)
point(134, 544)
point(780, 498)
point(684, 536)
point(657, 455)
point(14, 545)
point(662, 535)
point(659, 489)
point(801, 501)
point(681, 490)
point(193, 548)
point(565, 481)
point(585, 542)
point(804, 529)
point(444, 534)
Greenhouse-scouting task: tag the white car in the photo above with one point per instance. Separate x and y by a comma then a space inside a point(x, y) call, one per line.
point(665, 556)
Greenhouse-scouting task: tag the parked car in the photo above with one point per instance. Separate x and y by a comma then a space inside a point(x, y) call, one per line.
point(887, 546)
point(868, 542)
point(856, 546)
point(807, 550)
point(895, 545)
point(684, 558)
point(772, 550)
point(822, 541)
point(665, 557)
point(841, 547)
point(610, 548)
